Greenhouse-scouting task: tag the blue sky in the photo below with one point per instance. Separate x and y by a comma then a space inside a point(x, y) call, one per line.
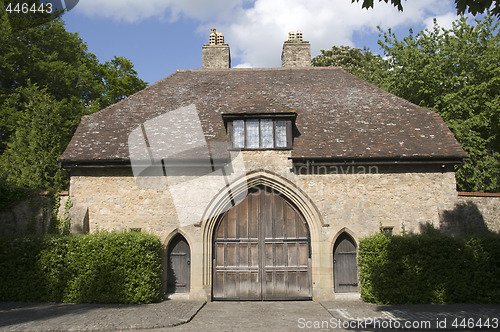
point(161, 36)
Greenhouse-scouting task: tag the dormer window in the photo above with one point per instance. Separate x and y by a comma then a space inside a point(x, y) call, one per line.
point(269, 132)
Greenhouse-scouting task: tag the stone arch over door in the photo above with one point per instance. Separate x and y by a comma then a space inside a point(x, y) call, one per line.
point(345, 266)
point(294, 195)
point(178, 264)
point(262, 250)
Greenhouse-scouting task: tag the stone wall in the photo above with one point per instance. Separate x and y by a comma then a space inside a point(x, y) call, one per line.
point(116, 202)
point(473, 212)
point(31, 215)
point(349, 197)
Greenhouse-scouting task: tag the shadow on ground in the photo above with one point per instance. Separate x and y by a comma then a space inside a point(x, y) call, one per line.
point(87, 317)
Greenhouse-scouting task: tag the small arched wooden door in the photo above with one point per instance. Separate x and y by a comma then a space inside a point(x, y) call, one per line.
point(178, 265)
point(262, 250)
point(345, 267)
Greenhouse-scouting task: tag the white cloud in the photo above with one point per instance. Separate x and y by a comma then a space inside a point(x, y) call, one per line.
point(256, 33)
point(244, 65)
point(444, 21)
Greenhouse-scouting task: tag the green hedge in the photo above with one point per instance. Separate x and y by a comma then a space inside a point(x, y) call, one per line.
point(96, 268)
point(430, 268)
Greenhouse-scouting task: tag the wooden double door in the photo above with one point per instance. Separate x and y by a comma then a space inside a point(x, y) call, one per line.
point(261, 250)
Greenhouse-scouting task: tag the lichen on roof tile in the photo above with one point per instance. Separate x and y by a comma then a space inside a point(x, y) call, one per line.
point(338, 114)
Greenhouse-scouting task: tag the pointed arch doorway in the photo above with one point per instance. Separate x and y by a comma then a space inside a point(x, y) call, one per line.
point(261, 250)
point(178, 265)
point(345, 266)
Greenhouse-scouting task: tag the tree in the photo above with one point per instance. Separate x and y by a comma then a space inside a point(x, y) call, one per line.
point(120, 80)
point(38, 140)
point(50, 57)
point(362, 63)
point(48, 81)
point(472, 6)
point(454, 72)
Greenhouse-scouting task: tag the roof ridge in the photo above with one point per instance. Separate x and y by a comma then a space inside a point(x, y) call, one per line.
point(258, 69)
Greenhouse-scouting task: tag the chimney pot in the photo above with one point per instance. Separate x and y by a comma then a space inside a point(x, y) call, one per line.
point(296, 51)
point(216, 53)
point(299, 35)
point(220, 38)
point(212, 40)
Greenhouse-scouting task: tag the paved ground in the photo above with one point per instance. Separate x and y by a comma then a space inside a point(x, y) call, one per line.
point(94, 317)
point(254, 316)
point(341, 315)
point(357, 315)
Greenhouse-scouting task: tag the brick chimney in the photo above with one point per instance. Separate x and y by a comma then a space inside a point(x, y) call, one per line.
point(296, 51)
point(216, 53)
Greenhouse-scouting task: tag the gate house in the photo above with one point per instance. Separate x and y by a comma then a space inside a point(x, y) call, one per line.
point(260, 182)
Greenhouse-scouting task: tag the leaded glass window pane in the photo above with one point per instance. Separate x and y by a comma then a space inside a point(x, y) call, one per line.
point(238, 134)
point(280, 134)
point(266, 133)
point(252, 134)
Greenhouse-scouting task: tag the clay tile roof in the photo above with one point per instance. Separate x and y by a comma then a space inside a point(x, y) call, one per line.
point(338, 115)
point(259, 104)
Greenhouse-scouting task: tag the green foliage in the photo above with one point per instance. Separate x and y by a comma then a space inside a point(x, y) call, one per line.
point(472, 6)
point(454, 72)
point(430, 268)
point(49, 81)
point(50, 57)
point(361, 63)
point(97, 268)
point(22, 21)
point(63, 223)
point(20, 277)
point(120, 80)
point(37, 140)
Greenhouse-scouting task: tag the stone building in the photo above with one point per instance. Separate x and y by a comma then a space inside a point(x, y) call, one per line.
point(260, 182)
